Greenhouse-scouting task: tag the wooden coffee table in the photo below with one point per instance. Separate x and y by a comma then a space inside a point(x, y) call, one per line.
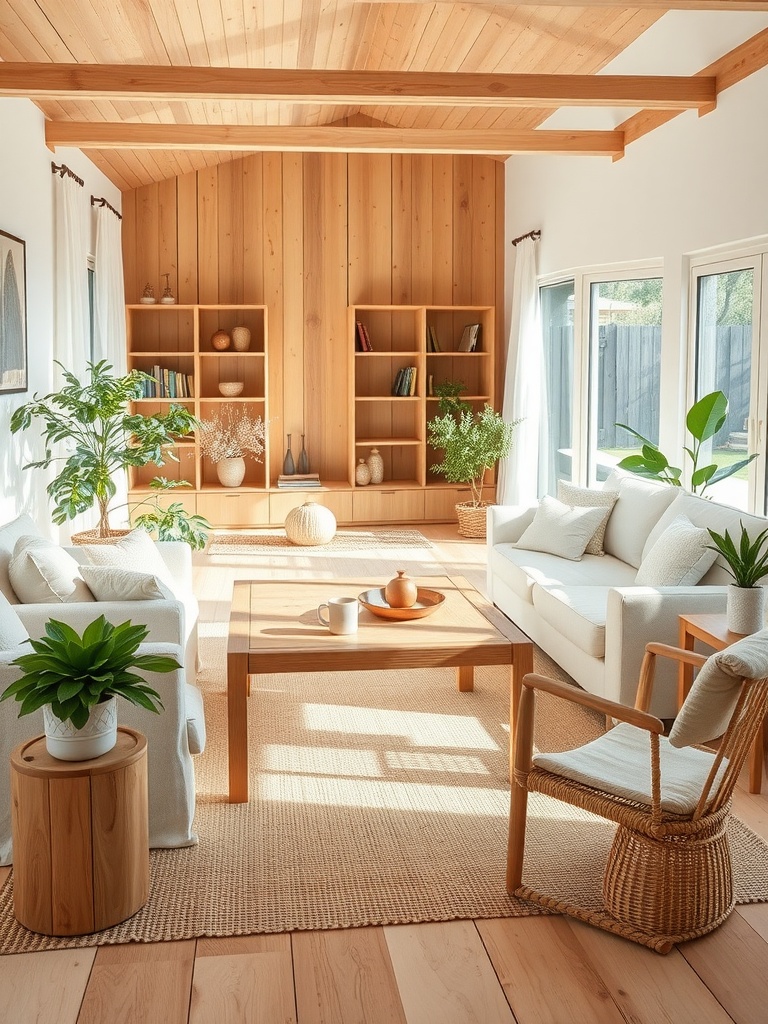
point(273, 627)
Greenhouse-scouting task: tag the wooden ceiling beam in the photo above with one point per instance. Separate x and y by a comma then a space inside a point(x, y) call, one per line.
point(352, 88)
point(487, 142)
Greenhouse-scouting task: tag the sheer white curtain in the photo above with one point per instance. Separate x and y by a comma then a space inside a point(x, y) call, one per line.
point(71, 339)
point(108, 296)
point(518, 482)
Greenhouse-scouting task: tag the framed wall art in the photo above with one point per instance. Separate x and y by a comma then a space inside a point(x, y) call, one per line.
point(13, 314)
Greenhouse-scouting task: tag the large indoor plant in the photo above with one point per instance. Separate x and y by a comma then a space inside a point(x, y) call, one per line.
point(75, 679)
point(472, 443)
point(90, 432)
point(747, 564)
point(227, 438)
point(703, 420)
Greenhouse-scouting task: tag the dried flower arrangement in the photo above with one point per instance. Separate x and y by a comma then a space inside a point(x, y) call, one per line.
point(231, 434)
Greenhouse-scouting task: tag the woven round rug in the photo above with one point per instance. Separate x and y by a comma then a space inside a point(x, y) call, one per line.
point(377, 798)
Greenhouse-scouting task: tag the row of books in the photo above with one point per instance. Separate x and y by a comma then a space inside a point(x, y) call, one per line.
point(469, 338)
point(404, 384)
point(433, 345)
point(299, 481)
point(362, 338)
point(168, 384)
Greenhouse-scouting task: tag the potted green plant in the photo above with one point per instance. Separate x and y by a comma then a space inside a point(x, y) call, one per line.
point(747, 564)
point(89, 431)
point(472, 443)
point(170, 522)
point(227, 438)
point(703, 420)
point(76, 679)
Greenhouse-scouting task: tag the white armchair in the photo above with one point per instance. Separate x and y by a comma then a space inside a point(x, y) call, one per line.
point(173, 736)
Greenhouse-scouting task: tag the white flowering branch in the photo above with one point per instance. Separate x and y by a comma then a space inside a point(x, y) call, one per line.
point(232, 435)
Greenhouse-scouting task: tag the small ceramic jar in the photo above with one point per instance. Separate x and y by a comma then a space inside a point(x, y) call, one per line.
point(401, 592)
point(376, 466)
point(362, 474)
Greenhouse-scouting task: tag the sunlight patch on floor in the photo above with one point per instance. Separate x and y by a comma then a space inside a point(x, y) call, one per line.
point(320, 760)
point(424, 761)
point(422, 729)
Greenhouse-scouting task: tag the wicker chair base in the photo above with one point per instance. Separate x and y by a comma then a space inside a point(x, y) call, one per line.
point(472, 518)
point(678, 885)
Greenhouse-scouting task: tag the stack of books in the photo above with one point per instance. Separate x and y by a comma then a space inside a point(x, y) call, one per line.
point(362, 339)
point(469, 338)
point(299, 481)
point(405, 382)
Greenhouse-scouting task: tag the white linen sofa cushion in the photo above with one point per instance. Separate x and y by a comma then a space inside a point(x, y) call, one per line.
point(41, 572)
point(12, 630)
point(679, 558)
point(588, 497)
point(9, 534)
point(111, 583)
point(136, 552)
point(619, 762)
point(521, 569)
point(640, 505)
point(561, 529)
point(577, 613)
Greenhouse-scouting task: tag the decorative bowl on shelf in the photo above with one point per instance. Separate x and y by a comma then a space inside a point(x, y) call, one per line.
point(427, 601)
point(232, 388)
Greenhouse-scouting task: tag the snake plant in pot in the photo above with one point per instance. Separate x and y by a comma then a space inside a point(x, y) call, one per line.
point(76, 679)
point(747, 563)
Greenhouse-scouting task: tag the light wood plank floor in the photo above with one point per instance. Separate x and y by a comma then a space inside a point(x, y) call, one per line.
point(545, 970)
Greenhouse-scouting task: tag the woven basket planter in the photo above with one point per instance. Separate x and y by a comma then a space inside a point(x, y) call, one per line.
point(472, 518)
point(92, 537)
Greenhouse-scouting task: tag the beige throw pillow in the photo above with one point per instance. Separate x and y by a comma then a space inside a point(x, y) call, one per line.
point(111, 583)
point(679, 558)
point(560, 530)
point(585, 497)
point(43, 573)
point(136, 552)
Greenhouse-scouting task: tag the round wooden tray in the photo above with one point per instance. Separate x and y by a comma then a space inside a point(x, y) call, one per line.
point(426, 602)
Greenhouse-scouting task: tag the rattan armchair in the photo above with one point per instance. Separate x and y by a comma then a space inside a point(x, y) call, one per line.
point(668, 875)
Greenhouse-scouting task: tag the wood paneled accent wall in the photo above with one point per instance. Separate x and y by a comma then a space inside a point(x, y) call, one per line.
point(307, 235)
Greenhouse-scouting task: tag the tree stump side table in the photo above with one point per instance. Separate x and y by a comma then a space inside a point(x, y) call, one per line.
point(80, 836)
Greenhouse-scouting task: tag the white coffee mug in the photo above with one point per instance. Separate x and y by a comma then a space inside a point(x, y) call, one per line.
point(342, 614)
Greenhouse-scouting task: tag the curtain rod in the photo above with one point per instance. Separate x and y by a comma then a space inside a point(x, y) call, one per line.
point(529, 234)
point(62, 169)
point(101, 201)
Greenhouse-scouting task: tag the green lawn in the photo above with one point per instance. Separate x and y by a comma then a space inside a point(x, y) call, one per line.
point(722, 456)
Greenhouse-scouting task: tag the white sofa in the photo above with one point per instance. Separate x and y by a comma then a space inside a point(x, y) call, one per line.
point(589, 615)
point(173, 736)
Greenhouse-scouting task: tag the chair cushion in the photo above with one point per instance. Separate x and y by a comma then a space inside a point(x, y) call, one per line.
point(708, 708)
point(638, 508)
point(41, 572)
point(9, 534)
point(12, 630)
point(679, 558)
point(560, 529)
point(195, 719)
point(587, 497)
point(619, 762)
point(577, 613)
point(111, 583)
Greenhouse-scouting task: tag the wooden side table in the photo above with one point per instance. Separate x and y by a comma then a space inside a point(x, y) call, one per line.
point(80, 836)
point(711, 629)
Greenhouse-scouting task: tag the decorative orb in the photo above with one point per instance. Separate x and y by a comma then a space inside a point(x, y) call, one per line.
point(232, 388)
point(310, 524)
point(220, 341)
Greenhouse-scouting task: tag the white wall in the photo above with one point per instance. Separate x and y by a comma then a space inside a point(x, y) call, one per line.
point(26, 210)
point(692, 184)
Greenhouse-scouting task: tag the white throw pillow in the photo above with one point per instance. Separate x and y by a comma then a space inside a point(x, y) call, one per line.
point(12, 630)
point(560, 529)
point(640, 505)
point(43, 573)
point(9, 533)
point(111, 583)
point(586, 497)
point(679, 558)
point(136, 551)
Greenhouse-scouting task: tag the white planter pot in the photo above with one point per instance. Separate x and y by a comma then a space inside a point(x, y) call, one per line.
point(98, 735)
point(230, 472)
point(745, 609)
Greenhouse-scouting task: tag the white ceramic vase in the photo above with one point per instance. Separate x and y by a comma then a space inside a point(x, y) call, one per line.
point(99, 734)
point(230, 472)
point(362, 473)
point(376, 466)
point(241, 338)
point(745, 609)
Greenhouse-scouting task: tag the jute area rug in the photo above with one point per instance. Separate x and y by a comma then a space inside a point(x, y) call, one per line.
point(266, 542)
point(377, 798)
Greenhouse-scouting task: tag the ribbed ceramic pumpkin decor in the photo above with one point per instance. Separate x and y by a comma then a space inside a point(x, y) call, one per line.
point(310, 524)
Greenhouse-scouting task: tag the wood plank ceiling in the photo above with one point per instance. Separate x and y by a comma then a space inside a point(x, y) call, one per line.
point(207, 122)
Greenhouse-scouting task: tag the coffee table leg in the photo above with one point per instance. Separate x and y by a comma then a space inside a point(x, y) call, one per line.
point(237, 726)
point(522, 664)
point(465, 678)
